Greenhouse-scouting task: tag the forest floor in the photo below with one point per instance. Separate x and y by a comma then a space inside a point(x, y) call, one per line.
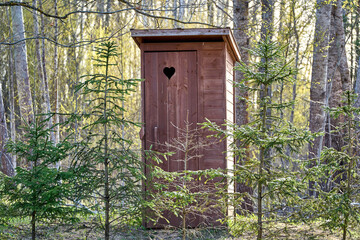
point(85, 230)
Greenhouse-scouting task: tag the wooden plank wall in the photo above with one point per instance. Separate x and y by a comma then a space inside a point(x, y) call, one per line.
point(215, 97)
point(230, 119)
point(212, 100)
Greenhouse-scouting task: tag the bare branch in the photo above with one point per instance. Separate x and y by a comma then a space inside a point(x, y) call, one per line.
point(26, 5)
point(140, 11)
point(131, 7)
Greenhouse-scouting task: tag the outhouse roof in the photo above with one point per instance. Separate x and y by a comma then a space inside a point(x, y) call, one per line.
point(187, 35)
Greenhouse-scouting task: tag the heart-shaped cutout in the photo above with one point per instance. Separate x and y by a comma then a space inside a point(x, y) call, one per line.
point(169, 72)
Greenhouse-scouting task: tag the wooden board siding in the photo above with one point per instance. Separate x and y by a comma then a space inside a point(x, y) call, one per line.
point(230, 160)
point(202, 85)
point(212, 101)
point(211, 91)
point(167, 103)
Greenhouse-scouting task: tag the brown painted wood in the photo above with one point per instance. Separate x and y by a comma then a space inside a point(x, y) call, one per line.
point(167, 104)
point(188, 35)
point(202, 85)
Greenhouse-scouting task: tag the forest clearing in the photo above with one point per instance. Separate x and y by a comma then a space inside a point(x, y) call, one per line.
point(180, 119)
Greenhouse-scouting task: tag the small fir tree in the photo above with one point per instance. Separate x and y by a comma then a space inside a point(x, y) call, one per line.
point(187, 194)
point(40, 191)
point(338, 206)
point(115, 167)
point(268, 137)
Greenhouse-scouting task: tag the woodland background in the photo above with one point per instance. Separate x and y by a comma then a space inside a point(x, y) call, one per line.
point(47, 45)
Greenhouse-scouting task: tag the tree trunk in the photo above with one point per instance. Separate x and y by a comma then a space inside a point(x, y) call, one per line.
point(42, 74)
point(267, 12)
point(210, 11)
point(267, 17)
point(5, 158)
point(33, 225)
point(357, 86)
point(178, 12)
point(21, 65)
point(338, 75)
point(11, 94)
point(107, 16)
point(241, 24)
point(319, 79)
point(296, 33)
point(56, 78)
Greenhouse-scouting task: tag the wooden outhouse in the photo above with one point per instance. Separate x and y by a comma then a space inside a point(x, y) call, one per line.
point(187, 72)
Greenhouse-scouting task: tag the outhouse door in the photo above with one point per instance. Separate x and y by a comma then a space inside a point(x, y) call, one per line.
point(171, 94)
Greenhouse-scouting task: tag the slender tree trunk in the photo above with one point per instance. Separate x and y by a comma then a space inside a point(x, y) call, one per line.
point(357, 86)
point(41, 66)
point(225, 18)
point(33, 225)
point(106, 160)
point(100, 7)
point(175, 13)
point(56, 78)
point(267, 10)
point(262, 164)
point(210, 11)
point(11, 94)
point(21, 65)
point(45, 82)
point(12, 103)
point(38, 56)
point(296, 33)
point(178, 12)
point(5, 158)
point(181, 10)
point(107, 16)
point(241, 24)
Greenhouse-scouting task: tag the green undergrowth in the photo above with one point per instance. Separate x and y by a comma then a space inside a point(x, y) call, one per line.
point(87, 228)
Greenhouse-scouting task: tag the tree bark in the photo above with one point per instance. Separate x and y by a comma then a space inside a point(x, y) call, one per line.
point(210, 11)
point(5, 158)
point(338, 76)
point(179, 9)
point(11, 94)
point(267, 17)
point(319, 79)
point(56, 78)
point(21, 66)
point(319, 75)
point(357, 86)
point(241, 24)
point(42, 74)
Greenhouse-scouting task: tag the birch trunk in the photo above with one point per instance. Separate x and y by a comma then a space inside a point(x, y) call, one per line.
point(12, 104)
point(21, 65)
point(11, 93)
